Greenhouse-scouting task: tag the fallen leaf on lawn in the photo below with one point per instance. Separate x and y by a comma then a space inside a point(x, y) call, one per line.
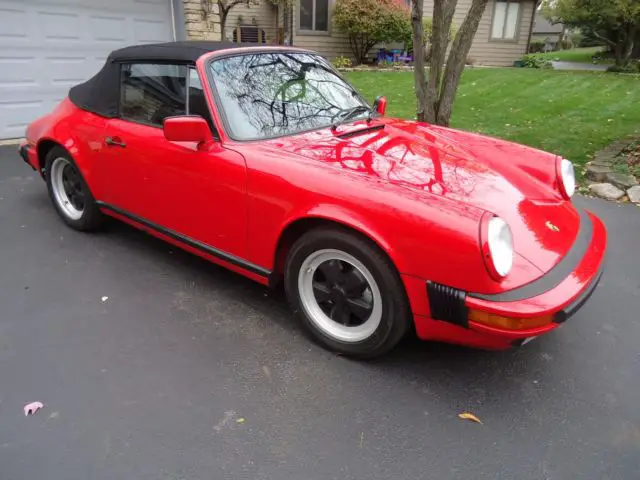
point(31, 408)
point(469, 416)
point(240, 420)
point(104, 299)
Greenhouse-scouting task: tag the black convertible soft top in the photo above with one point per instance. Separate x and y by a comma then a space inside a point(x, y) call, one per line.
point(100, 94)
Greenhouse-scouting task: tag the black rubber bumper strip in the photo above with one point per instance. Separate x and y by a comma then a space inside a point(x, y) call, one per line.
point(557, 274)
point(227, 257)
point(24, 153)
point(569, 311)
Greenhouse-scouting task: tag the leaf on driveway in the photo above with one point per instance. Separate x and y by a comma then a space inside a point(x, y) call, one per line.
point(469, 416)
point(31, 408)
point(240, 420)
point(104, 299)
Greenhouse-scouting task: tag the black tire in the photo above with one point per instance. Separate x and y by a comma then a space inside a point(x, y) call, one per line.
point(396, 316)
point(91, 217)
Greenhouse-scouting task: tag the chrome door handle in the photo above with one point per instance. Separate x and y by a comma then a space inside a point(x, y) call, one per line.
point(115, 142)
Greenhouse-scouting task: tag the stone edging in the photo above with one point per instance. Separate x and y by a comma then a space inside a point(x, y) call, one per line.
point(606, 182)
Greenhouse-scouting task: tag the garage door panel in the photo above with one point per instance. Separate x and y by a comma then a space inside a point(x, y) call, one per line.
point(18, 113)
point(12, 23)
point(47, 46)
point(58, 26)
point(109, 28)
point(148, 31)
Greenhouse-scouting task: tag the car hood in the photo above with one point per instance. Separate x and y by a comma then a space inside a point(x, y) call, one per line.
point(512, 181)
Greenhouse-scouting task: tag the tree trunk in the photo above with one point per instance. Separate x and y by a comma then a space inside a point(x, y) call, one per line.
point(419, 77)
point(224, 12)
point(457, 59)
point(443, 11)
point(435, 96)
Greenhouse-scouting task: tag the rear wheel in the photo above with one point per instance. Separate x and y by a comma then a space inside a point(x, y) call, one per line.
point(346, 292)
point(69, 192)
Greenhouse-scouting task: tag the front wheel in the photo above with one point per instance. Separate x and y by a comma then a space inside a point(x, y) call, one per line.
point(347, 293)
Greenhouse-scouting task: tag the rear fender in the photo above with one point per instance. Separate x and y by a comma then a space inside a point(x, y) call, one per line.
point(75, 130)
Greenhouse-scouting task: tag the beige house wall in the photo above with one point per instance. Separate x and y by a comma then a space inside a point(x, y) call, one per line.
point(203, 22)
point(483, 50)
point(330, 44)
point(486, 51)
point(263, 13)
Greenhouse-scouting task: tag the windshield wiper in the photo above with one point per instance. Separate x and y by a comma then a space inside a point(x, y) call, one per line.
point(349, 113)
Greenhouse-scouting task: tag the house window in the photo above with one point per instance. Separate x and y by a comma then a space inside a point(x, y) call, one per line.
point(505, 20)
point(314, 15)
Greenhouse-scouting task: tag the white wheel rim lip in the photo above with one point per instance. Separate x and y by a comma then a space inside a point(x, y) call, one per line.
point(61, 197)
point(315, 313)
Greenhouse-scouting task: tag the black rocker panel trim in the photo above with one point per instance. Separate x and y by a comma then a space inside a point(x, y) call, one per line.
point(557, 274)
point(447, 304)
point(227, 257)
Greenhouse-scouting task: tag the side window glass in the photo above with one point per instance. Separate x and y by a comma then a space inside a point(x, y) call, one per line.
point(152, 92)
point(197, 100)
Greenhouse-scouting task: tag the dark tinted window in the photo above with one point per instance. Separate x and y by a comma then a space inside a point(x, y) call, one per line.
point(267, 95)
point(322, 15)
point(151, 92)
point(306, 14)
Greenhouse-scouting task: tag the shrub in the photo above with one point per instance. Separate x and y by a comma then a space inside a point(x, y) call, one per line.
point(342, 62)
point(563, 45)
point(576, 38)
point(631, 67)
point(536, 46)
point(367, 22)
point(534, 61)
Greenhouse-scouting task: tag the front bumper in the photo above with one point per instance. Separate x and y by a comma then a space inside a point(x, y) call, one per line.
point(561, 292)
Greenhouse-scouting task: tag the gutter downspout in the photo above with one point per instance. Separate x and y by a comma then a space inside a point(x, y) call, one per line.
point(533, 19)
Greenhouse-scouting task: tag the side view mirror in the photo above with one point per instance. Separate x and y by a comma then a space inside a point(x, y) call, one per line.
point(380, 105)
point(186, 128)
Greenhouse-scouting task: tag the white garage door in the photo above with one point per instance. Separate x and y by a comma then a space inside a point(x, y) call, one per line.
point(47, 46)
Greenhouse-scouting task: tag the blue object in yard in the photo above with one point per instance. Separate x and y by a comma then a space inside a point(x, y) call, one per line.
point(382, 55)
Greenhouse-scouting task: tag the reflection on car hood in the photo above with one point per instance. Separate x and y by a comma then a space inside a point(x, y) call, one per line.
point(492, 174)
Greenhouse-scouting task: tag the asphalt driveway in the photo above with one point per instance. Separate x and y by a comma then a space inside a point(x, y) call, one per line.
point(188, 371)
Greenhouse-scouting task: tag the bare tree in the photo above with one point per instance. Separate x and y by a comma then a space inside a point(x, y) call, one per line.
point(437, 93)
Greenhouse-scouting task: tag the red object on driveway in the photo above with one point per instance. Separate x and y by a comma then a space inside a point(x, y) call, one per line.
point(266, 161)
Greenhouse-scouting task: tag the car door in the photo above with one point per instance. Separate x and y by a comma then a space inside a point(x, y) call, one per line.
point(175, 188)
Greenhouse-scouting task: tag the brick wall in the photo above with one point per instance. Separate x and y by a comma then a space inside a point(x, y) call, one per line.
point(202, 20)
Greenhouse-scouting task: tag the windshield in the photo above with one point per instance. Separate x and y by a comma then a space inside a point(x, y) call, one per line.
point(273, 94)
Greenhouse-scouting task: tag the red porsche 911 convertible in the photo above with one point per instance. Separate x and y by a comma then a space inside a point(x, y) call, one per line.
point(266, 161)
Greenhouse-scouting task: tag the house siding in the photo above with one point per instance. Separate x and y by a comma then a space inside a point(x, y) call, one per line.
point(264, 14)
point(331, 45)
point(496, 52)
point(483, 50)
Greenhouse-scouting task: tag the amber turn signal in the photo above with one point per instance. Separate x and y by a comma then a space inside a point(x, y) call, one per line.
point(508, 323)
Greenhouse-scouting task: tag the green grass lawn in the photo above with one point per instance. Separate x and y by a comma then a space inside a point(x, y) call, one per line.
point(573, 114)
point(582, 55)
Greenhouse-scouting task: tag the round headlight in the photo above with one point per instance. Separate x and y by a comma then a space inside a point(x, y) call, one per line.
point(567, 178)
point(500, 243)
